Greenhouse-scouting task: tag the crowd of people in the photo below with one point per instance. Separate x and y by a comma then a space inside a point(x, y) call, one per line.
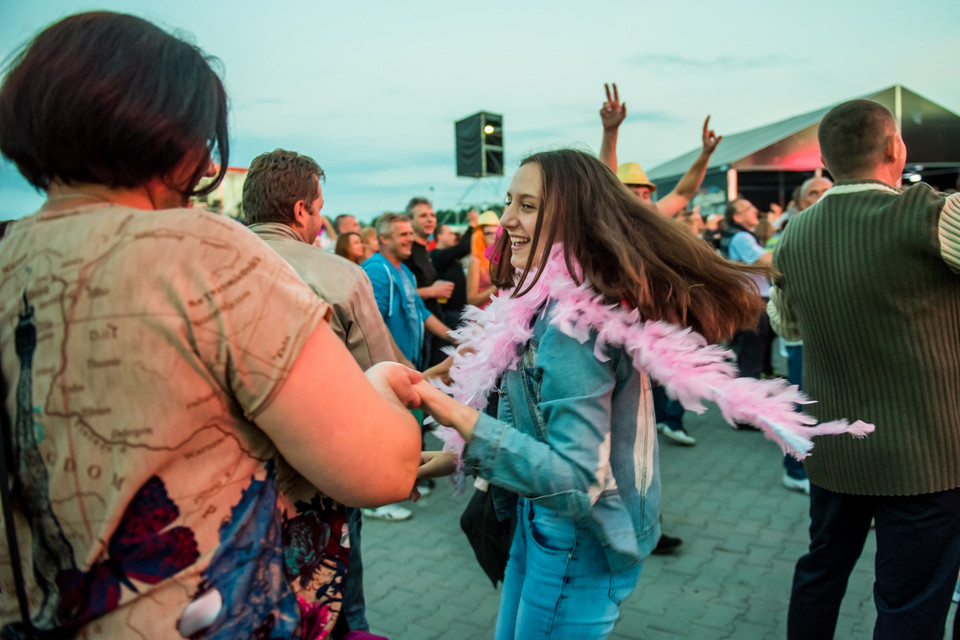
point(199, 413)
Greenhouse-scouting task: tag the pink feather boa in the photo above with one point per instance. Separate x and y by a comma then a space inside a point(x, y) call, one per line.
point(680, 359)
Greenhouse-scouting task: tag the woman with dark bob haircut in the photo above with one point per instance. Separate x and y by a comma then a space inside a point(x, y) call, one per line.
point(182, 419)
point(573, 451)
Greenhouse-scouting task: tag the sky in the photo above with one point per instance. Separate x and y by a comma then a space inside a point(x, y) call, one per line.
point(372, 90)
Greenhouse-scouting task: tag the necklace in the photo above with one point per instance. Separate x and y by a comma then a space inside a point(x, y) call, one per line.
point(680, 359)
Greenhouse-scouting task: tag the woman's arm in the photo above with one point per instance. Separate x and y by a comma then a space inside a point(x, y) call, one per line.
point(567, 472)
point(474, 295)
point(612, 114)
point(350, 435)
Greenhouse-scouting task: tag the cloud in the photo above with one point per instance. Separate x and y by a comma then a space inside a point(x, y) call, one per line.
point(728, 63)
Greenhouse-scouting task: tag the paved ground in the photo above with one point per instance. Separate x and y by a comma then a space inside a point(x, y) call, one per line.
point(742, 534)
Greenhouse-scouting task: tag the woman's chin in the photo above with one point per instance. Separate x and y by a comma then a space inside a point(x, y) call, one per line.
point(518, 260)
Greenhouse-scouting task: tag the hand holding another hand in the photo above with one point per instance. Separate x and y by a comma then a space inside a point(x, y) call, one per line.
point(447, 411)
point(396, 382)
point(433, 464)
point(440, 371)
point(436, 464)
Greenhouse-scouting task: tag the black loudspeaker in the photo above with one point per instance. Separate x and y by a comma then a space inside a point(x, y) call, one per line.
point(480, 145)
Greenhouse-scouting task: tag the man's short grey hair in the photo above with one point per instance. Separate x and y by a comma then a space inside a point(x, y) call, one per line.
point(386, 221)
point(809, 181)
point(414, 202)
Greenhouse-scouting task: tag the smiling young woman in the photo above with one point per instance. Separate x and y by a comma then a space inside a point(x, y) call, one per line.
point(573, 449)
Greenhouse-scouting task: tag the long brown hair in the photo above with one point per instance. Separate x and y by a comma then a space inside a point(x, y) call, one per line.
point(631, 253)
point(342, 248)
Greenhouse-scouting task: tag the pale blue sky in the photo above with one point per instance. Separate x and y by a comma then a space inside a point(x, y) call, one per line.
point(371, 90)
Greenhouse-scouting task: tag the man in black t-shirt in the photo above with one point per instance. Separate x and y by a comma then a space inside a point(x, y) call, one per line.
point(431, 290)
point(447, 260)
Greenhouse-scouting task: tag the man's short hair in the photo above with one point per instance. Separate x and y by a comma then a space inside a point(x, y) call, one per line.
point(339, 220)
point(109, 98)
point(274, 184)
point(852, 136)
point(414, 202)
point(809, 182)
point(731, 210)
point(386, 221)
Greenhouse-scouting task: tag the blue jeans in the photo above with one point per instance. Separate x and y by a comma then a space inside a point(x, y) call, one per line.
point(558, 584)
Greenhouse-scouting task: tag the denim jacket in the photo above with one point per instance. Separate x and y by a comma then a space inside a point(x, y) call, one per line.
point(576, 435)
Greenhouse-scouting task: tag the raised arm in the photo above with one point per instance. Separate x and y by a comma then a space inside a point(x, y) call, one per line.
point(612, 113)
point(441, 258)
point(693, 178)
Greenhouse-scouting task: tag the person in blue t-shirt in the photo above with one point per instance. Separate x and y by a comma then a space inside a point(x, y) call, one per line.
point(395, 288)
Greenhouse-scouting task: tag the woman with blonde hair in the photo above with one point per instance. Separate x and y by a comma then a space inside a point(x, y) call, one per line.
point(370, 243)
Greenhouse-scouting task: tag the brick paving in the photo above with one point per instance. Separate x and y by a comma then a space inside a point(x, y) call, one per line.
point(742, 534)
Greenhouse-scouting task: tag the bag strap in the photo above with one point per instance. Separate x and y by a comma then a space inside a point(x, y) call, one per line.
point(6, 431)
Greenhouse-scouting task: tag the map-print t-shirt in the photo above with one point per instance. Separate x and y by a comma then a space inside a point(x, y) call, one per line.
point(138, 348)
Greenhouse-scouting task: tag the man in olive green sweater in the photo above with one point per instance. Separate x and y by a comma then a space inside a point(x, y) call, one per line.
point(869, 282)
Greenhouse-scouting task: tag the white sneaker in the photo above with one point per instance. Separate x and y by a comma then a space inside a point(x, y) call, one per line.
point(679, 436)
point(425, 487)
point(661, 426)
point(389, 513)
point(796, 484)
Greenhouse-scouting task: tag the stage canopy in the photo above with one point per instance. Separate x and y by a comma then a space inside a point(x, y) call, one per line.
point(766, 163)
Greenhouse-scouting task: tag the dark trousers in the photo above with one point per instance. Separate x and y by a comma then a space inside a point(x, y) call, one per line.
point(353, 613)
point(918, 554)
point(753, 349)
point(791, 465)
point(432, 352)
point(667, 411)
